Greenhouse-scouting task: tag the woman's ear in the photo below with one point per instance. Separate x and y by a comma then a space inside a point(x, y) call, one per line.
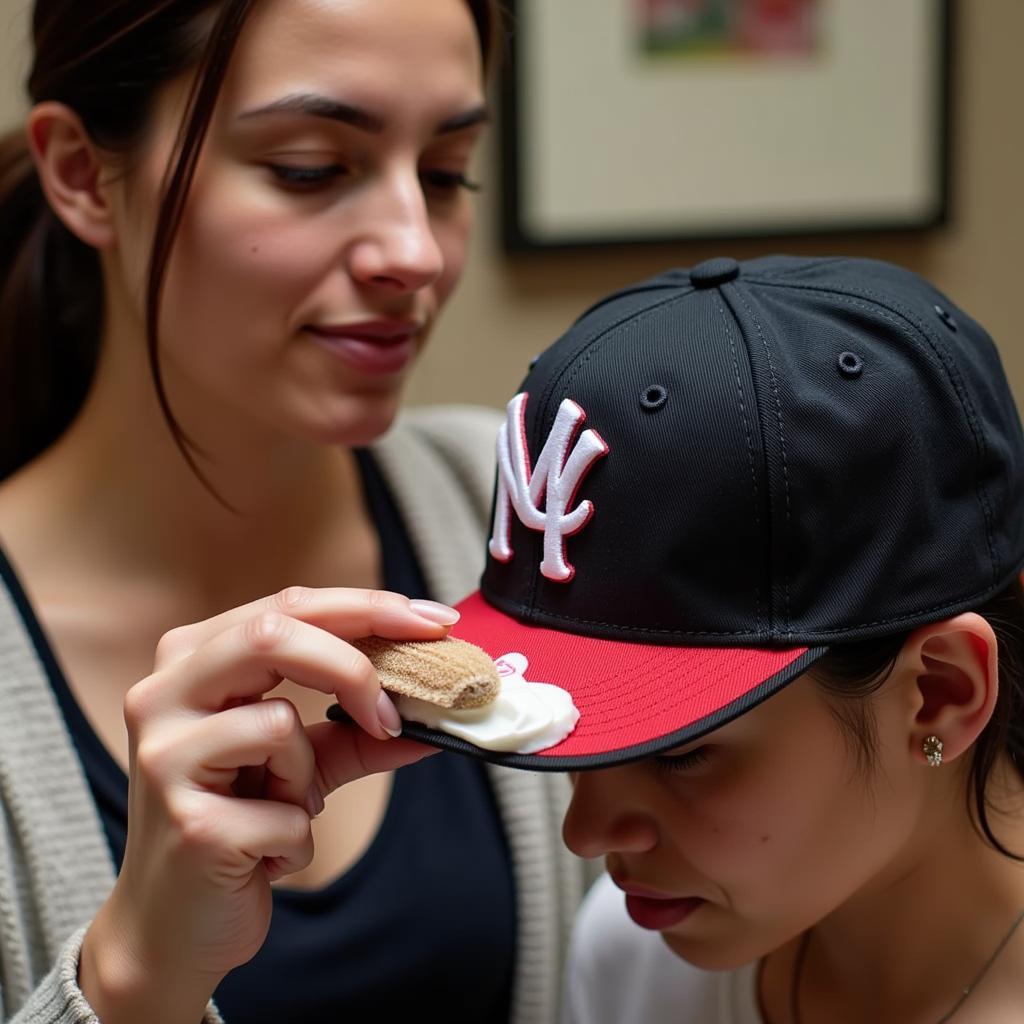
point(69, 167)
point(953, 673)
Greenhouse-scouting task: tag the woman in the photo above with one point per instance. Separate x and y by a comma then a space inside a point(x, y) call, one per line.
point(765, 523)
point(228, 238)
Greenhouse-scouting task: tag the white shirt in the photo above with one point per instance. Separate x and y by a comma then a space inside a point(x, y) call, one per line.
point(619, 973)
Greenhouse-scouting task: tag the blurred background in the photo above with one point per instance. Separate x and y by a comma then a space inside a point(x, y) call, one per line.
point(511, 304)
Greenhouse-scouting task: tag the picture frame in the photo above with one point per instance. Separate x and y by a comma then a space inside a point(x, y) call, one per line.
point(611, 137)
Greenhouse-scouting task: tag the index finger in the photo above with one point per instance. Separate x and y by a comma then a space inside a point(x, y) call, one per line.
point(246, 661)
point(347, 612)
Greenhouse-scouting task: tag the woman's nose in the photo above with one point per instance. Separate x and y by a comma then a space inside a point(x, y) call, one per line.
point(605, 816)
point(396, 248)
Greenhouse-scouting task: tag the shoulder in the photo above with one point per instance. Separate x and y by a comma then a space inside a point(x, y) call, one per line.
point(621, 974)
point(463, 435)
point(457, 441)
point(449, 420)
point(439, 466)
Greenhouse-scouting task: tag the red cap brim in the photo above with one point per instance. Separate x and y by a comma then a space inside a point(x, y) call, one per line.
point(634, 699)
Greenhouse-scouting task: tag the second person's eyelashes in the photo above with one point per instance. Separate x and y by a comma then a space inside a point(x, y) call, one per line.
point(449, 181)
point(682, 762)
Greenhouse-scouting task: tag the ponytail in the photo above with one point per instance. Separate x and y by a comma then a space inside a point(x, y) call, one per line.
point(51, 309)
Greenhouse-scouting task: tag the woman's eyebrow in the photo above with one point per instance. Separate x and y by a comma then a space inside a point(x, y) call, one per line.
point(319, 106)
point(314, 105)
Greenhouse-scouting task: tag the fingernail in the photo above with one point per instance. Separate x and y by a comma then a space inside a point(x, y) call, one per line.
point(387, 714)
point(434, 612)
point(314, 801)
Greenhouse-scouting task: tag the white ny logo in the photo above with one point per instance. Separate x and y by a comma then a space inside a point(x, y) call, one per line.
point(556, 479)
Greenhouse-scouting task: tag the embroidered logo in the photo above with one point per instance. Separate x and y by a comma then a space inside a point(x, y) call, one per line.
point(554, 480)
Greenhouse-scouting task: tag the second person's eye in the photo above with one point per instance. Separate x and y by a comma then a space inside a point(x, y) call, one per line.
point(448, 181)
point(682, 762)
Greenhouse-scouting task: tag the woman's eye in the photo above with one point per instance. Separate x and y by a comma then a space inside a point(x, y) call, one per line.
point(682, 762)
point(448, 181)
point(306, 177)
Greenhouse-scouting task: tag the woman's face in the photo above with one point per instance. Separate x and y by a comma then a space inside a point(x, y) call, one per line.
point(328, 220)
point(736, 843)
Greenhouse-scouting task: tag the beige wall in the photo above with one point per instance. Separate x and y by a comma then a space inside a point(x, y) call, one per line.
point(14, 21)
point(509, 308)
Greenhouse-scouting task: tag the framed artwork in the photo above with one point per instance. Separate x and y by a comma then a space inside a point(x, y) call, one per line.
point(631, 121)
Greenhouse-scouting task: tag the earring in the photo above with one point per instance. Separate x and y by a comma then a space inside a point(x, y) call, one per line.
point(932, 748)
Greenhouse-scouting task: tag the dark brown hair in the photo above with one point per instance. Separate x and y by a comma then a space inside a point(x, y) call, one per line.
point(850, 673)
point(107, 60)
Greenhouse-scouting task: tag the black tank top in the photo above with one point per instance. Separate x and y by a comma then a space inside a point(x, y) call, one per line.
point(421, 927)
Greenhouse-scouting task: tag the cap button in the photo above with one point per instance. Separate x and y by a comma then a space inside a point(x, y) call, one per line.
point(714, 272)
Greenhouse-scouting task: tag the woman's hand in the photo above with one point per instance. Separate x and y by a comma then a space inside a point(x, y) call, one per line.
point(224, 785)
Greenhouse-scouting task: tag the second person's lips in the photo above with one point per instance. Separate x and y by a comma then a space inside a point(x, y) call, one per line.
point(660, 913)
point(656, 910)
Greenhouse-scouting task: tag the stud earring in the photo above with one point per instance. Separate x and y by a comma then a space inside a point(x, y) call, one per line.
point(932, 748)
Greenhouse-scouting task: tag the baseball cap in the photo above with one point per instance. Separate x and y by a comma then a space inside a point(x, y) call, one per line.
point(716, 475)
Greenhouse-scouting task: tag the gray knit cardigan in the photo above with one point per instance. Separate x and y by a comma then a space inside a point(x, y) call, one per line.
point(55, 867)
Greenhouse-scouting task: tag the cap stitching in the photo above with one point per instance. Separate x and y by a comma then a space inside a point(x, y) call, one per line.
point(689, 697)
point(540, 615)
point(537, 616)
point(653, 285)
point(790, 269)
point(594, 345)
point(750, 444)
point(978, 595)
point(700, 674)
point(953, 371)
point(584, 351)
point(945, 363)
point(612, 695)
point(782, 445)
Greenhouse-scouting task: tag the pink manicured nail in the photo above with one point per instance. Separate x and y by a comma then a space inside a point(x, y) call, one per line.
point(387, 714)
point(314, 800)
point(432, 611)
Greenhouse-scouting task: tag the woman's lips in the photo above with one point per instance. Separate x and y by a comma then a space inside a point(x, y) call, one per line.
point(377, 348)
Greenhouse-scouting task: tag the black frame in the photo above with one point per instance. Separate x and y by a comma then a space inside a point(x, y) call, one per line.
point(516, 237)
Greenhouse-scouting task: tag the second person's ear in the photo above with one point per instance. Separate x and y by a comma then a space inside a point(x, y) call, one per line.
point(954, 673)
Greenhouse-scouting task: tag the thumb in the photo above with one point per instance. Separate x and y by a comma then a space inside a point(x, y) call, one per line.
point(345, 753)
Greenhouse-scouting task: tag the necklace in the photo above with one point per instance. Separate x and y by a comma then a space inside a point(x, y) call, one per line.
point(801, 955)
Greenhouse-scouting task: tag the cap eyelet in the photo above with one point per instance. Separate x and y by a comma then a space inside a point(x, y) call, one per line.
point(946, 317)
point(653, 397)
point(850, 364)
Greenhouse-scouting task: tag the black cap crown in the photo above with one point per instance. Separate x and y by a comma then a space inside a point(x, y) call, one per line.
point(796, 451)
